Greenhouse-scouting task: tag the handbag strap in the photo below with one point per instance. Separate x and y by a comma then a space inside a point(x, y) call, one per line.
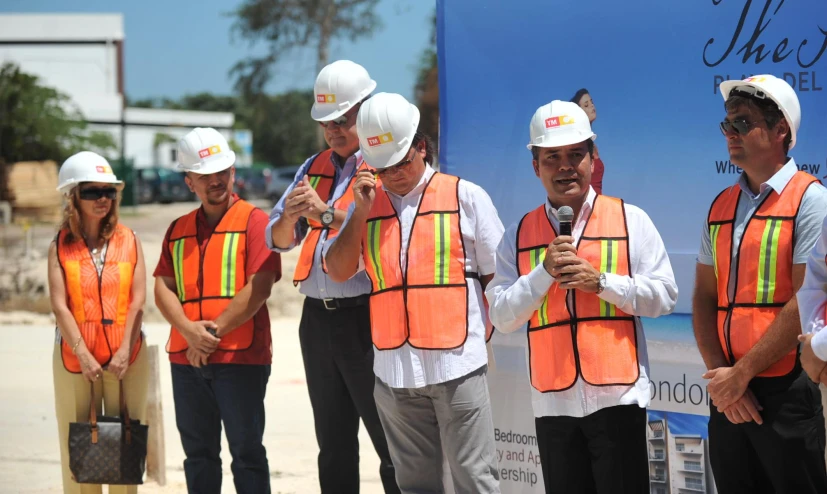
point(125, 413)
point(93, 415)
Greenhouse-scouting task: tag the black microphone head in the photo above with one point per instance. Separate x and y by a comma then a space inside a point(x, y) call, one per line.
point(565, 214)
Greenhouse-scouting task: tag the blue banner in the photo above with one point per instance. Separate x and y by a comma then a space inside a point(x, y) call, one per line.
point(652, 70)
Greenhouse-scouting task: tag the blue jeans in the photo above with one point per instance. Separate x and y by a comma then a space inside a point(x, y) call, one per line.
point(234, 394)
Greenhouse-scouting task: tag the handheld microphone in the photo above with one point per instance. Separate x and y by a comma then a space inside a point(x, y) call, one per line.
point(566, 215)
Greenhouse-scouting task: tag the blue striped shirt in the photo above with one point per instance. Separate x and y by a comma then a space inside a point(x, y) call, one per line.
point(318, 284)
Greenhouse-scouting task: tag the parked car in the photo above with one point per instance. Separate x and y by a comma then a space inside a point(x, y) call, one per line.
point(162, 185)
point(251, 183)
point(280, 180)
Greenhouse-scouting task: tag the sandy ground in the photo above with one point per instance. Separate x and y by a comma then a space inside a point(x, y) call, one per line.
point(29, 455)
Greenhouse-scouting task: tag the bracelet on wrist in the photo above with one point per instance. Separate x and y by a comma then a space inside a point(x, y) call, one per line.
point(75, 346)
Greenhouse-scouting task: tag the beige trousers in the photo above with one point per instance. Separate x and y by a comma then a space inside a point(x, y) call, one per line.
point(72, 405)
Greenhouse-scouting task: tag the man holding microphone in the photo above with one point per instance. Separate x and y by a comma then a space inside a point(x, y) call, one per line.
point(581, 281)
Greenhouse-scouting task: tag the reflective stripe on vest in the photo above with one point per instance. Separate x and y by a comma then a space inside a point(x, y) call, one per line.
point(574, 333)
point(321, 174)
point(207, 285)
point(427, 306)
point(763, 280)
point(99, 304)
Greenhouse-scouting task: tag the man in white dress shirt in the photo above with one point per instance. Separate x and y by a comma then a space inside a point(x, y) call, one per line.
point(582, 296)
point(427, 241)
point(812, 304)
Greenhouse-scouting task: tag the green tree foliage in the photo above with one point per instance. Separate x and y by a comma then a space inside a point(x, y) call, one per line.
point(427, 88)
point(39, 123)
point(285, 25)
point(283, 132)
point(199, 102)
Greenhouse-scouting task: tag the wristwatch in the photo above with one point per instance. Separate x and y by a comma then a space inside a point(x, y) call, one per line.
point(212, 332)
point(601, 282)
point(327, 217)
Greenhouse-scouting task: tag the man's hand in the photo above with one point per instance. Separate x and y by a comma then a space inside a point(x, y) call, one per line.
point(822, 378)
point(560, 247)
point(745, 409)
point(303, 201)
point(726, 386)
point(813, 366)
point(364, 191)
point(198, 338)
point(578, 273)
point(197, 358)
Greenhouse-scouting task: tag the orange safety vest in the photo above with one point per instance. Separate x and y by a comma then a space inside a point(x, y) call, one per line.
point(574, 333)
point(99, 304)
point(426, 305)
point(321, 175)
point(207, 285)
point(763, 281)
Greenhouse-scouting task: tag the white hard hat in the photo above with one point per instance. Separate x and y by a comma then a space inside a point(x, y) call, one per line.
point(85, 166)
point(777, 90)
point(204, 150)
point(559, 123)
point(339, 86)
point(386, 125)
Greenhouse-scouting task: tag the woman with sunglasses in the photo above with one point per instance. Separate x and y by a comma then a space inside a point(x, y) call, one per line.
point(97, 286)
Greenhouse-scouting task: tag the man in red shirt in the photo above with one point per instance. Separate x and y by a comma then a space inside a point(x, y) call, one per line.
point(212, 283)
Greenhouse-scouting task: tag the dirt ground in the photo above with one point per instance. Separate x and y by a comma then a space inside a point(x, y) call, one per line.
point(29, 455)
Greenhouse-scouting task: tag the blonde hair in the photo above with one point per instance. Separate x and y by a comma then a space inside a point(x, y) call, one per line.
point(73, 220)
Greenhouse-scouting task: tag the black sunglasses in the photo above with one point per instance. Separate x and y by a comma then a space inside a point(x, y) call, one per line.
point(740, 126)
point(93, 194)
point(397, 167)
point(338, 122)
point(342, 120)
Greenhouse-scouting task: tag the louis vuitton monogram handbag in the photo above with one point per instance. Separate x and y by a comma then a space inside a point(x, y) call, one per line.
point(108, 450)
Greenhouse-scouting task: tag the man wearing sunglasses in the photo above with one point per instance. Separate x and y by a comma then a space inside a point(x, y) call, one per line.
point(335, 327)
point(427, 242)
point(766, 427)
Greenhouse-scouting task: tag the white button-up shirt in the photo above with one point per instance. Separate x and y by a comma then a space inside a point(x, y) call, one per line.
point(408, 367)
point(812, 296)
point(650, 291)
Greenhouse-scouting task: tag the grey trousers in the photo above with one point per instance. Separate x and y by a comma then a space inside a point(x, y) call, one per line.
point(454, 417)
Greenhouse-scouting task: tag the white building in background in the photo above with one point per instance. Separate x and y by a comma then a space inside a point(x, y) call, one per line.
point(82, 55)
point(678, 463)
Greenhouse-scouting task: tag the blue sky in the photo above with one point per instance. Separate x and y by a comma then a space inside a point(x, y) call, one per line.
point(174, 48)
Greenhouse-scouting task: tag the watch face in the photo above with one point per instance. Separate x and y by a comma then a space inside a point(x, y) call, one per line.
point(327, 217)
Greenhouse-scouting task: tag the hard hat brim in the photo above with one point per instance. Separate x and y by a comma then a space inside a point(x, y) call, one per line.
point(324, 112)
point(727, 87)
point(566, 141)
point(390, 160)
point(212, 166)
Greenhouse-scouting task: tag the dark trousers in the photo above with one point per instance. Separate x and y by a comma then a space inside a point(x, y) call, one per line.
point(338, 363)
point(785, 454)
point(205, 397)
point(604, 452)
